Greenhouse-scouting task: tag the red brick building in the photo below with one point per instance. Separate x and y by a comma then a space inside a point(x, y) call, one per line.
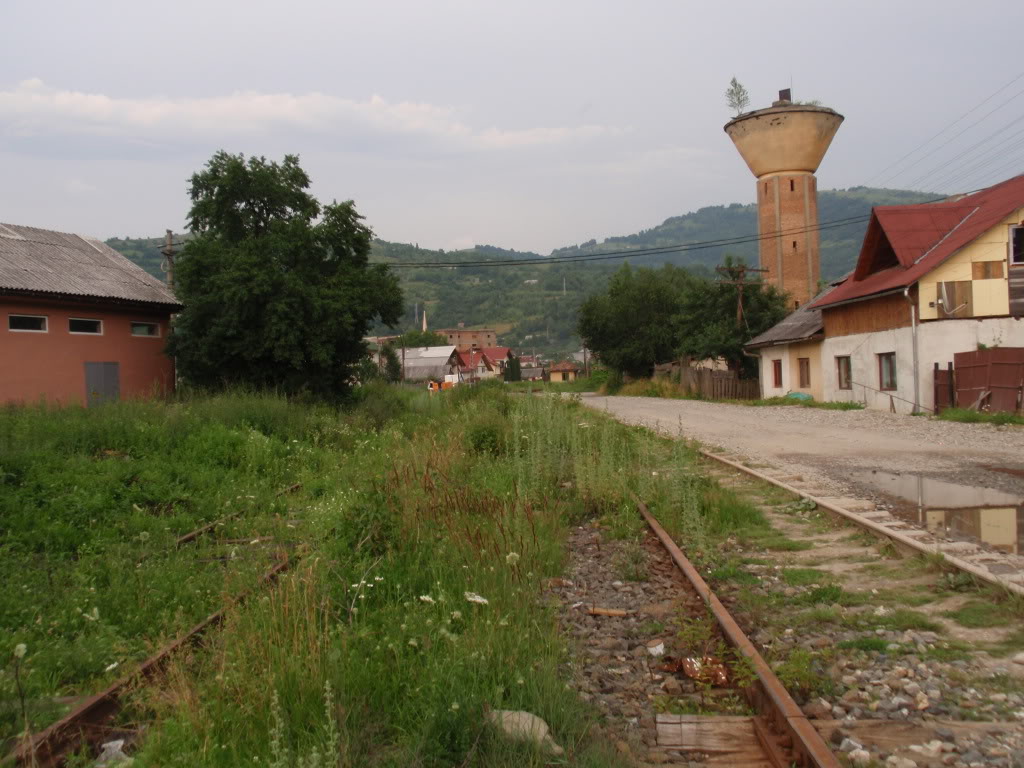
point(80, 323)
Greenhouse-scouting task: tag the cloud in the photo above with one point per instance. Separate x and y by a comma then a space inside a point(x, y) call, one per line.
point(34, 108)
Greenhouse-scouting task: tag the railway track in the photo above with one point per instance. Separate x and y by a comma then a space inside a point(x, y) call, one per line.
point(960, 555)
point(783, 732)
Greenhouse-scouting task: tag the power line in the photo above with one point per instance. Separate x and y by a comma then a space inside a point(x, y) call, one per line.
point(1016, 121)
point(965, 114)
point(653, 251)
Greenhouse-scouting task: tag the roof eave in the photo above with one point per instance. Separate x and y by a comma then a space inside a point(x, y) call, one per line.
point(91, 299)
point(816, 336)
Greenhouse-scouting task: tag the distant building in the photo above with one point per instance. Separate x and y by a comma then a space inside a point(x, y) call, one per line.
point(469, 338)
point(475, 365)
point(433, 363)
point(563, 372)
point(499, 356)
point(81, 323)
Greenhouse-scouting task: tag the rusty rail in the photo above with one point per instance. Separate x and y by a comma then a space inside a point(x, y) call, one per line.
point(783, 730)
point(88, 723)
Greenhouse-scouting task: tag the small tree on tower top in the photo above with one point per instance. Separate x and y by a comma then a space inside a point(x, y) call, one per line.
point(737, 97)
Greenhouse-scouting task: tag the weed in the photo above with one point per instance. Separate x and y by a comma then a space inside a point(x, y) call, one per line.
point(802, 577)
point(980, 613)
point(867, 644)
point(631, 562)
point(803, 674)
point(999, 418)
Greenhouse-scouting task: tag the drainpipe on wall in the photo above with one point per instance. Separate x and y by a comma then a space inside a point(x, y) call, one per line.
point(913, 335)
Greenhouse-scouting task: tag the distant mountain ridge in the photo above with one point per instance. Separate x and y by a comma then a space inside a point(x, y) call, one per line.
point(533, 306)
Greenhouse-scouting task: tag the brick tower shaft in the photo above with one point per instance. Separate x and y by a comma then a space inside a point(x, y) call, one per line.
point(783, 146)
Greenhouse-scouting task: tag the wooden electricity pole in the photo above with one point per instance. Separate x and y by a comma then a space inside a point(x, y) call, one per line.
point(168, 252)
point(737, 274)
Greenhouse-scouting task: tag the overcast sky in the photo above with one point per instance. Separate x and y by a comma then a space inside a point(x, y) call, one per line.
point(529, 125)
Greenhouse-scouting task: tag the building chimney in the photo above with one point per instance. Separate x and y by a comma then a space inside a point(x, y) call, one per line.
point(783, 146)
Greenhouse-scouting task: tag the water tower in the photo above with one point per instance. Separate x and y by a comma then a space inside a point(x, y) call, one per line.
point(783, 146)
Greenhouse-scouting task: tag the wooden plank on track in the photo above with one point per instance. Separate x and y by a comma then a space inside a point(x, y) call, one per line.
point(725, 740)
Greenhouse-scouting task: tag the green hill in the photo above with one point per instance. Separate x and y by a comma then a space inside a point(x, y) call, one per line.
point(533, 307)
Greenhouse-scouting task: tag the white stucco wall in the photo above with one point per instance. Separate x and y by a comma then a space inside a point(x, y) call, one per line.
point(768, 354)
point(937, 341)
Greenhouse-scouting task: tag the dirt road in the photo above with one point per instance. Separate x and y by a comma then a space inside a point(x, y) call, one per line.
point(832, 448)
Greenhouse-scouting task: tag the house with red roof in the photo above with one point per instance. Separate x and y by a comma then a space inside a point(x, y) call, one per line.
point(499, 356)
point(563, 372)
point(931, 280)
point(475, 365)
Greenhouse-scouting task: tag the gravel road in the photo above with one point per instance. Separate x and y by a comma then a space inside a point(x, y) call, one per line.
point(829, 447)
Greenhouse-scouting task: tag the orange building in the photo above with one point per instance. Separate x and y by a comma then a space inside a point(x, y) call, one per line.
point(80, 322)
point(471, 338)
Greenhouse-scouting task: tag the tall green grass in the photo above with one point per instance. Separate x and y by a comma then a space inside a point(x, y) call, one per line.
point(966, 415)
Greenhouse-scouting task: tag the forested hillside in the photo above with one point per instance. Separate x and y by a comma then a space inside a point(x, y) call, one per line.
point(533, 307)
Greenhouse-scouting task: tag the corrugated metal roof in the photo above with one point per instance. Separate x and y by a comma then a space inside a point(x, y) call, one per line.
point(922, 237)
point(428, 355)
point(42, 261)
point(799, 325)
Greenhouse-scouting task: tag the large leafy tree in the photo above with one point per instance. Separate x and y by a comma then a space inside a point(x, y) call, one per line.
point(629, 325)
point(278, 290)
point(421, 339)
point(648, 316)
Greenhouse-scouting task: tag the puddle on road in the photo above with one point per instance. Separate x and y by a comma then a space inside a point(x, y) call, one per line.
point(967, 512)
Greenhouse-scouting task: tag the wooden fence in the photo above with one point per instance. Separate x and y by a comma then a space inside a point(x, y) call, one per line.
point(718, 385)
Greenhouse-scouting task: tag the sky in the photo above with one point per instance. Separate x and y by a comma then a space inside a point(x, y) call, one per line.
point(529, 125)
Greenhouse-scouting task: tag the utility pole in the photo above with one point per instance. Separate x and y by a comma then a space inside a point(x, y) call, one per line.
point(737, 274)
point(168, 252)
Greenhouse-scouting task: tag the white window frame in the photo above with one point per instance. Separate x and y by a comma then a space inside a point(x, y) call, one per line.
point(132, 323)
point(88, 320)
point(1019, 261)
point(44, 318)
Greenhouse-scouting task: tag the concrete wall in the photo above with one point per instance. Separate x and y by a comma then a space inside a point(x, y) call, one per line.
point(937, 341)
point(50, 366)
point(990, 297)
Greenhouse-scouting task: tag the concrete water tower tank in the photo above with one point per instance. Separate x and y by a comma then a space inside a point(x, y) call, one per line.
point(783, 146)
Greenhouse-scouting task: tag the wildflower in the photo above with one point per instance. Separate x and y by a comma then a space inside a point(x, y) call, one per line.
point(520, 681)
point(111, 667)
point(503, 623)
point(512, 558)
point(413, 642)
point(456, 615)
point(427, 599)
point(144, 536)
point(455, 706)
point(20, 650)
point(473, 597)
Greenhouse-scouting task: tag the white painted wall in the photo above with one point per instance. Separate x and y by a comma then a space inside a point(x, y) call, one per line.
point(937, 341)
point(768, 354)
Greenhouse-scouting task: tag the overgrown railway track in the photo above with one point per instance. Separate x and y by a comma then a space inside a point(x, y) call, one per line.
point(784, 734)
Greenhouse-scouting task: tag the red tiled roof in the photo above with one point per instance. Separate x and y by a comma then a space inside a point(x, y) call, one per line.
point(471, 358)
point(497, 353)
point(564, 366)
point(905, 242)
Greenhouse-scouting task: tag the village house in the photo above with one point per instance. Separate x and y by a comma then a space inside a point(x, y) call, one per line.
point(475, 365)
point(500, 356)
point(932, 280)
point(81, 323)
point(430, 363)
point(563, 372)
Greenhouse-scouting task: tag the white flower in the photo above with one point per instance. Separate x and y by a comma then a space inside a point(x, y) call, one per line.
point(455, 706)
point(512, 558)
point(20, 650)
point(473, 597)
point(520, 681)
point(426, 598)
point(111, 667)
point(456, 615)
point(413, 642)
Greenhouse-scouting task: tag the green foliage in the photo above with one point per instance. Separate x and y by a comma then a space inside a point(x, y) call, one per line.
point(650, 316)
point(392, 365)
point(487, 435)
point(278, 290)
point(514, 369)
point(420, 339)
point(966, 415)
point(736, 97)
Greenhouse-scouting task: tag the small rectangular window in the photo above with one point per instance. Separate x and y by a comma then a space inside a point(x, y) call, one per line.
point(30, 323)
point(804, 364)
point(777, 373)
point(844, 373)
point(791, 187)
point(887, 371)
point(82, 325)
point(1017, 245)
point(145, 329)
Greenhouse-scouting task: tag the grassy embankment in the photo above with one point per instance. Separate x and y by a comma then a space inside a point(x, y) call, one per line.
point(375, 647)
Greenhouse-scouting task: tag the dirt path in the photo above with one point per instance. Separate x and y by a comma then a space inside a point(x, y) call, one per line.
point(830, 447)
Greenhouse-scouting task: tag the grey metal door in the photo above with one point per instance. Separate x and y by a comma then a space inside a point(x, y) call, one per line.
point(102, 383)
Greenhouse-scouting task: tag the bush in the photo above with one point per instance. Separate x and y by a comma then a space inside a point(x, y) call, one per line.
point(487, 435)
